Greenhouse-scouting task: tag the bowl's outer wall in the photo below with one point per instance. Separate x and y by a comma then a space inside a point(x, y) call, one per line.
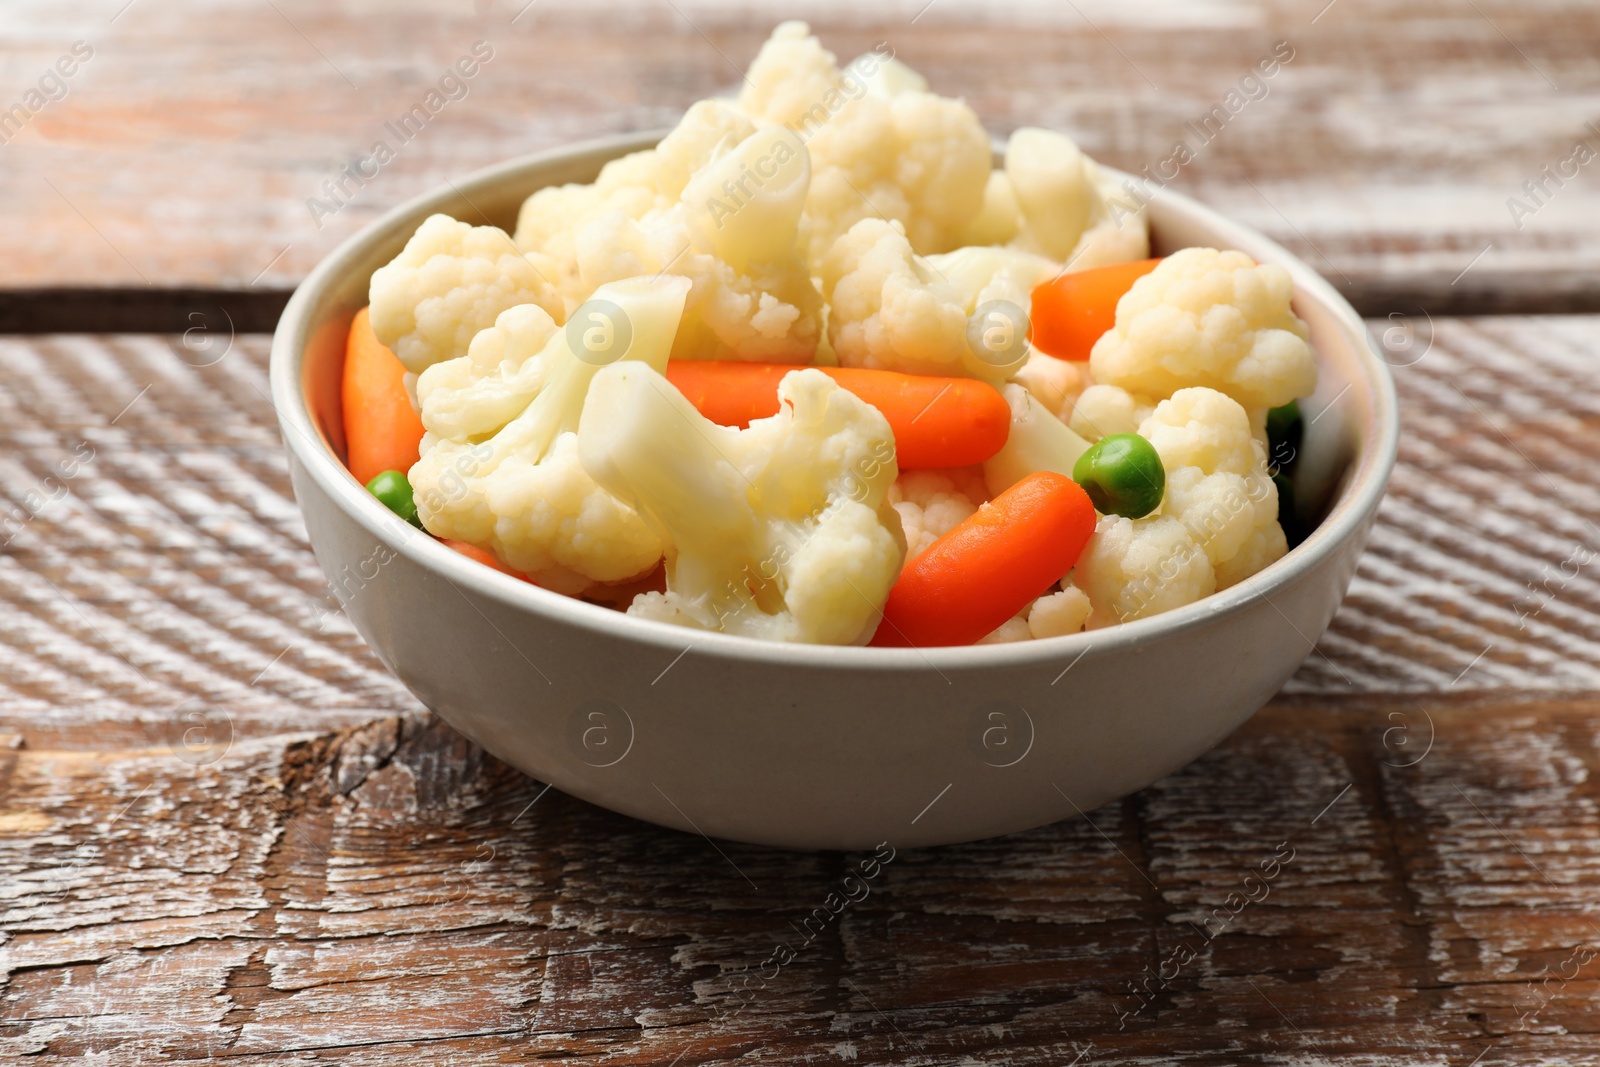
point(810, 756)
point(810, 748)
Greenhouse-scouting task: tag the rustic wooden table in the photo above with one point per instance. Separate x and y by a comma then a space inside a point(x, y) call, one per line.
point(225, 831)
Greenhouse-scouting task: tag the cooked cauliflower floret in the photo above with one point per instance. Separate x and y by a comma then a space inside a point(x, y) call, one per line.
point(551, 522)
point(450, 281)
point(1053, 200)
point(891, 309)
point(635, 186)
point(999, 219)
point(718, 202)
point(1103, 410)
point(931, 503)
point(1118, 230)
point(767, 313)
point(1213, 319)
point(881, 145)
point(1200, 428)
point(500, 466)
point(1134, 568)
point(1217, 481)
point(781, 531)
point(481, 392)
point(1217, 524)
point(1012, 630)
point(1059, 613)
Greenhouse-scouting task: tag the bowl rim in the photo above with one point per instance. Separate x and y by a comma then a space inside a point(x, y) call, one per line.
point(309, 447)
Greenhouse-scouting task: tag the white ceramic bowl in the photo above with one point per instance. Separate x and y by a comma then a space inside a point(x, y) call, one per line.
point(806, 746)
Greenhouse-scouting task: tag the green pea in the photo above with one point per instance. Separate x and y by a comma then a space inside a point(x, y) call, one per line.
point(394, 492)
point(1285, 428)
point(1122, 475)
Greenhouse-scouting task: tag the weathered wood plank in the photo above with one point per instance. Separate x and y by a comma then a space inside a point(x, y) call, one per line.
point(156, 563)
point(257, 906)
point(1387, 151)
point(1486, 542)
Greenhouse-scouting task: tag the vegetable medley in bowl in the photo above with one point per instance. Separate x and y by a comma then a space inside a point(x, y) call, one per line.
point(815, 369)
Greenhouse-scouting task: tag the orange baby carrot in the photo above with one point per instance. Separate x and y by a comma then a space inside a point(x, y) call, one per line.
point(937, 422)
point(381, 428)
point(985, 570)
point(1072, 310)
point(483, 556)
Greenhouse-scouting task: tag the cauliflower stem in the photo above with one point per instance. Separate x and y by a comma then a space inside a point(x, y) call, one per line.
point(781, 531)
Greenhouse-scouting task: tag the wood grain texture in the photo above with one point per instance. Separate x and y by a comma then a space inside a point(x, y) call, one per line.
point(271, 903)
point(1386, 152)
point(155, 555)
point(1485, 553)
point(225, 831)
